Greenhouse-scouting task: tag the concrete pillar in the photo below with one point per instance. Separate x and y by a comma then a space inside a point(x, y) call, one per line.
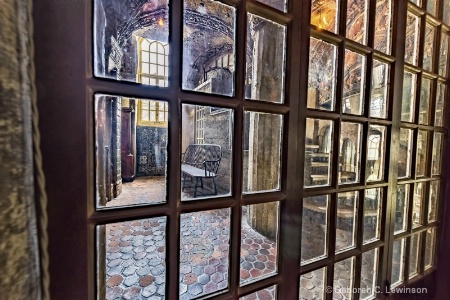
point(19, 258)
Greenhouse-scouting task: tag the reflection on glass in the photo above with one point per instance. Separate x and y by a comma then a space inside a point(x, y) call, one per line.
point(443, 54)
point(312, 285)
point(401, 208)
point(383, 26)
point(440, 105)
point(350, 152)
point(324, 14)
point(379, 92)
point(259, 235)
point(408, 96)
point(262, 151)
point(369, 274)
point(437, 153)
point(267, 293)
point(425, 95)
point(414, 255)
point(429, 247)
point(419, 196)
point(209, 47)
point(404, 158)
point(204, 252)
point(375, 153)
point(131, 151)
point(131, 41)
point(280, 5)
point(422, 153)
point(354, 83)
point(433, 201)
point(343, 278)
point(314, 228)
point(428, 46)
point(412, 38)
point(431, 7)
point(372, 214)
point(322, 75)
point(207, 143)
point(398, 262)
point(346, 220)
point(318, 152)
point(266, 63)
point(132, 258)
point(357, 20)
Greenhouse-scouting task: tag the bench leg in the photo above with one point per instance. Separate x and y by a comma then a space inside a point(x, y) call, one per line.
point(201, 182)
point(215, 187)
point(196, 185)
point(184, 182)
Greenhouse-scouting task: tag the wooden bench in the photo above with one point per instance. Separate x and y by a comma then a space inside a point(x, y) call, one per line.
point(201, 161)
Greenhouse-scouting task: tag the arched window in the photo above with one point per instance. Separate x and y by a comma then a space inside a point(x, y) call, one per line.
point(153, 63)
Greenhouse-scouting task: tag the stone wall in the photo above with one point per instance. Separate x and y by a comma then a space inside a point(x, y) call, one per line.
point(19, 265)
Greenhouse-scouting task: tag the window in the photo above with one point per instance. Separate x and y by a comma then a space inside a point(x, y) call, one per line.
point(153, 113)
point(154, 61)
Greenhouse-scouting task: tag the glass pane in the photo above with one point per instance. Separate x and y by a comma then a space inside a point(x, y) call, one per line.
point(324, 14)
point(207, 143)
point(383, 26)
point(121, 31)
point(314, 228)
point(343, 279)
point(266, 64)
point(280, 5)
point(322, 75)
point(414, 255)
point(373, 210)
point(262, 152)
point(357, 20)
point(417, 2)
point(430, 247)
point(130, 156)
point(204, 252)
point(346, 221)
point(408, 96)
point(422, 153)
point(431, 7)
point(433, 202)
point(268, 293)
point(443, 54)
point(419, 196)
point(446, 12)
point(208, 36)
point(398, 262)
point(428, 47)
point(259, 235)
point(404, 158)
point(401, 208)
point(312, 285)
point(354, 83)
point(437, 153)
point(369, 274)
point(412, 39)
point(425, 95)
point(318, 152)
point(132, 259)
point(379, 92)
point(376, 145)
point(350, 152)
point(440, 105)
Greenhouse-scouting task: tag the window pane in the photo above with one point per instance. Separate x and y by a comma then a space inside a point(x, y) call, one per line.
point(369, 274)
point(433, 201)
point(404, 159)
point(437, 153)
point(268, 293)
point(440, 105)
point(425, 95)
point(412, 39)
point(322, 75)
point(408, 97)
point(373, 210)
point(428, 47)
point(414, 255)
point(207, 143)
point(266, 65)
point(431, 7)
point(443, 54)
point(318, 152)
point(262, 152)
point(354, 83)
point(357, 20)
point(343, 278)
point(419, 196)
point(379, 92)
point(204, 252)
point(324, 14)
point(121, 29)
point(376, 145)
point(280, 5)
point(130, 156)
point(446, 12)
point(398, 262)
point(346, 221)
point(401, 208)
point(422, 153)
point(314, 228)
point(132, 259)
point(383, 26)
point(350, 152)
point(202, 46)
point(430, 247)
point(312, 285)
point(259, 235)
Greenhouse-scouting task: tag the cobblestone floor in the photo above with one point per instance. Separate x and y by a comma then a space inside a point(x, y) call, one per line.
point(143, 190)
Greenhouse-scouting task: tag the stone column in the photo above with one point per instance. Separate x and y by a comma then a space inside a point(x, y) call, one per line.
point(19, 258)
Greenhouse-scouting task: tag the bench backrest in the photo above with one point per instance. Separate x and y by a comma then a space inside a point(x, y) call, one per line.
point(197, 154)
